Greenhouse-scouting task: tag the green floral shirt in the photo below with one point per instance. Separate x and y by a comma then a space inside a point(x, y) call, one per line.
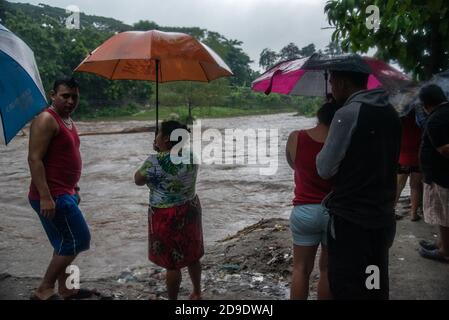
point(170, 184)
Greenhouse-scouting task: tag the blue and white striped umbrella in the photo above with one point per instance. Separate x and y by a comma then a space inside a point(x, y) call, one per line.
point(22, 95)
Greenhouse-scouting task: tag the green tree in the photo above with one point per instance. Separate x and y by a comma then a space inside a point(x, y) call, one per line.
point(59, 50)
point(2, 11)
point(414, 33)
point(307, 50)
point(144, 25)
point(268, 58)
point(333, 48)
point(239, 62)
point(289, 52)
point(232, 53)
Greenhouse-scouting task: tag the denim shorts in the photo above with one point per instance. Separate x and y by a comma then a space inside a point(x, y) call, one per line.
point(67, 232)
point(308, 224)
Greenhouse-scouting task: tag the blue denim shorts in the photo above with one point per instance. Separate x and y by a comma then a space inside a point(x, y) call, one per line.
point(308, 224)
point(67, 231)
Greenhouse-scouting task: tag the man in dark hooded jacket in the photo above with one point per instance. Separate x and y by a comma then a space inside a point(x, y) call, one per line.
point(360, 154)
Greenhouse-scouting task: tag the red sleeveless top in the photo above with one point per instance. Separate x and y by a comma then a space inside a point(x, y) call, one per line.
point(310, 188)
point(62, 162)
point(411, 141)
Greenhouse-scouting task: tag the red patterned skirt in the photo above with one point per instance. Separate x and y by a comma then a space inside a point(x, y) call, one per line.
point(175, 235)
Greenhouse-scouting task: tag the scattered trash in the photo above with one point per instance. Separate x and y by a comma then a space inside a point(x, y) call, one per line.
point(273, 260)
point(230, 267)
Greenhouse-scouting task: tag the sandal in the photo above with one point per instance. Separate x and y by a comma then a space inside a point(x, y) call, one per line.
point(83, 294)
point(432, 254)
point(428, 245)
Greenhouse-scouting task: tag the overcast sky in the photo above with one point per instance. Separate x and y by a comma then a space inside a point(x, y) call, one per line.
point(258, 24)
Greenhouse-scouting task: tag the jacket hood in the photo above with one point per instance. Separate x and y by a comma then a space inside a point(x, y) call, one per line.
point(374, 97)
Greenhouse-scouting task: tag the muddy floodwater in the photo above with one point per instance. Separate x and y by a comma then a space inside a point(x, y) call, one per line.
point(233, 195)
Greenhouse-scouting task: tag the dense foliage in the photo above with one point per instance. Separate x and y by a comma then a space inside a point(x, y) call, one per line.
point(413, 33)
point(58, 50)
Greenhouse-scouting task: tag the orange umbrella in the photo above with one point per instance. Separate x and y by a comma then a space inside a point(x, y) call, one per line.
point(156, 56)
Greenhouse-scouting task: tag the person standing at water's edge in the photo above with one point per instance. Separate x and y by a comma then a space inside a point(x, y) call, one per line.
point(361, 153)
point(174, 216)
point(309, 219)
point(55, 164)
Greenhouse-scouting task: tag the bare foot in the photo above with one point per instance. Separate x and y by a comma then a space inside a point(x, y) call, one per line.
point(195, 296)
point(43, 294)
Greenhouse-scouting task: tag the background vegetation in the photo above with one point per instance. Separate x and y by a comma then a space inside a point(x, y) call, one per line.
point(59, 50)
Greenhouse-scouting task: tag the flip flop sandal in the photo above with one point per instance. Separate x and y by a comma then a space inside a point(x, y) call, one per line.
point(432, 254)
point(82, 294)
point(428, 245)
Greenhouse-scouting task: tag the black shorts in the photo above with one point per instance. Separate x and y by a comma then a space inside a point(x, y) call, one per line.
point(408, 169)
point(358, 260)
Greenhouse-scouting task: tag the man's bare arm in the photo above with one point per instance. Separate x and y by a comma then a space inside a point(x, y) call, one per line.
point(42, 130)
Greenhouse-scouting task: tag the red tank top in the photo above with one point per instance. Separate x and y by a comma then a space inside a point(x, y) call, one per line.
point(310, 188)
point(62, 162)
point(411, 141)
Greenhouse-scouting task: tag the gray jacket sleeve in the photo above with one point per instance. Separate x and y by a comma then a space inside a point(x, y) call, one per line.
point(338, 140)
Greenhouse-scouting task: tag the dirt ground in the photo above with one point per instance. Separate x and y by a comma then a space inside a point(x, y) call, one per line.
point(256, 263)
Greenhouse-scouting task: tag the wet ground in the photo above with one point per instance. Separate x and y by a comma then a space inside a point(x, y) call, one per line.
point(256, 263)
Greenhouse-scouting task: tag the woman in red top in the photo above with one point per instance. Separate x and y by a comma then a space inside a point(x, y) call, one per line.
point(409, 164)
point(309, 219)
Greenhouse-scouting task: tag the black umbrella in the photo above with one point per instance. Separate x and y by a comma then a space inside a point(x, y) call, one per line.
point(380, 73)
point(407, 99)
point(344, 62)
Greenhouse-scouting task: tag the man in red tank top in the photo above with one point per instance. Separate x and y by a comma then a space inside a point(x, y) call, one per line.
point(55, 165)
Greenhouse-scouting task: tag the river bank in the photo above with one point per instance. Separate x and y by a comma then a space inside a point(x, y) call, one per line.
point(256, 263)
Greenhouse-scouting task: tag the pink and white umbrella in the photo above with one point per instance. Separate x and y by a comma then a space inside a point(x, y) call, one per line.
point(309, 76)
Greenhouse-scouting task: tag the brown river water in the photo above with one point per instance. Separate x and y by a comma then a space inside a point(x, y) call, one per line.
point(233, 196)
